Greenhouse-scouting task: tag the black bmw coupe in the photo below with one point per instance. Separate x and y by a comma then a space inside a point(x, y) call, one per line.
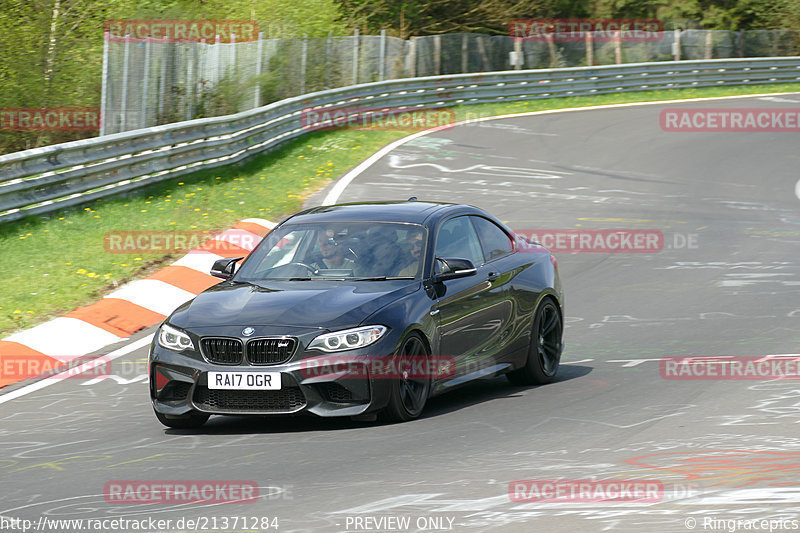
point(361, 310)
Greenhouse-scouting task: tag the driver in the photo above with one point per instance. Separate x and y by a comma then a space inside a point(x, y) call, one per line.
point(331, 251)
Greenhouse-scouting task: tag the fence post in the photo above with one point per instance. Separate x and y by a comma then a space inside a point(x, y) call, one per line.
point(259, 60)
point(618, 47)
point(464, 54)
point(303, 65)
point(589, 48)
point(517, 53)
point(382, 57)
point(328, 46)
point(163, 92)
point(484, 56)
point(676, 44)
point(355, 57)
point(145, 82)
point(551, 48)
point(437, 54)
point(412, 58)
point(124, 99)
point(709, 43)
point(742, 34)
point(104, 85)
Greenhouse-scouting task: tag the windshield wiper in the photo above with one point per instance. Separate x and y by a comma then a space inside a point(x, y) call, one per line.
point(383, 278)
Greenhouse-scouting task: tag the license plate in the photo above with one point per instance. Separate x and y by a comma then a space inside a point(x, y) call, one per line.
point(244, 380)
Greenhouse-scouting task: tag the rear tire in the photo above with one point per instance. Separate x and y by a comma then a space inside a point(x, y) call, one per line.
point(544, 353)
point(190, 421)
point(409, 393)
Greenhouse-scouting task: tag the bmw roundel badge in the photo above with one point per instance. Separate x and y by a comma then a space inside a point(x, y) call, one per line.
point(248, 331)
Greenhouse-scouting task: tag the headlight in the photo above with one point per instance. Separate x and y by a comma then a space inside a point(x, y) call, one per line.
point(173, 339)
point(348, 339)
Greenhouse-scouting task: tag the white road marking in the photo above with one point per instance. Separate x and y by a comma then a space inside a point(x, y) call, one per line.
point(338, 188)
point(154, 295)
point(22, 391)
point(64, 338)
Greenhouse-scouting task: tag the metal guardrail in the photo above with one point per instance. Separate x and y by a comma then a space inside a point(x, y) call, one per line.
point(53, 177)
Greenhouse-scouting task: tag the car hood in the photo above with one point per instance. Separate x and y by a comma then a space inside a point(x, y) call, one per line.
point(317, 304)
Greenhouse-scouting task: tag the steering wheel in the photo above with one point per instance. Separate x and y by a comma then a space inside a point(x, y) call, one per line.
point(307, 267)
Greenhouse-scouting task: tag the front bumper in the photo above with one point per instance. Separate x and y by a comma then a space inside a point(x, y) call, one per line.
point(179, 384)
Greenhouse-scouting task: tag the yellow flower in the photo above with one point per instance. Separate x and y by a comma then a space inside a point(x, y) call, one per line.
point(81, 271)
point(180, 183)
point(143, 211)
point(171, 224)
point(17, 311)
point(197, 209)
point(67, 263)
point(31, 313)
point(124, 264)
point(137, 258)
point(92, 275)
point(97, 216)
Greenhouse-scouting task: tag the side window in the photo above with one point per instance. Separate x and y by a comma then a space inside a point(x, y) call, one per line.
point(457, 238)
point(494, 241)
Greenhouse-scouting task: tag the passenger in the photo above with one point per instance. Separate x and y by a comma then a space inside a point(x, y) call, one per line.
point(414, 241)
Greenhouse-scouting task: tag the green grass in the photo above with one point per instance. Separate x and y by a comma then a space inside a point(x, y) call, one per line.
point(52, 264)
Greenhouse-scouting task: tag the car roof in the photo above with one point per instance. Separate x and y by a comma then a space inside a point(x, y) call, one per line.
point(412, 211)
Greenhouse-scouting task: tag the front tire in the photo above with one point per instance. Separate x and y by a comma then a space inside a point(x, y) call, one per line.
point(544, 354)
point(190, 421)
point(409, 393)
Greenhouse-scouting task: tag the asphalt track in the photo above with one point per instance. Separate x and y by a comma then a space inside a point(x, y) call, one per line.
point(727, 283)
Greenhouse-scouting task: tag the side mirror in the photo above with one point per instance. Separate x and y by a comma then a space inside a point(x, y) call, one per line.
point(453, 268)
point(223, 268)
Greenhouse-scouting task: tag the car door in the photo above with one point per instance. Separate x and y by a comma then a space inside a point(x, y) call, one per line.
point(467, 309)
point(500, 267)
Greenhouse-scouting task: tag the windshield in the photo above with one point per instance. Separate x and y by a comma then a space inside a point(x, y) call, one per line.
point(347, 250)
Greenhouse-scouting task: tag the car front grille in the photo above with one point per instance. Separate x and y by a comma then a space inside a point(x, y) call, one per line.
point(222, 350)
point(285, 400)
point(270, 351)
